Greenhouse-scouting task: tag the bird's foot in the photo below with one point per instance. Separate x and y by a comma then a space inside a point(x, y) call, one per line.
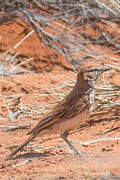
point(74, 151)
point(78, 153)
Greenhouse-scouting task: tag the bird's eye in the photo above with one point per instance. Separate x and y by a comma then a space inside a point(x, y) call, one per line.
point(88, 75)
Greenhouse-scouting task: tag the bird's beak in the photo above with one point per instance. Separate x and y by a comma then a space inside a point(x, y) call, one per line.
point(105, 69)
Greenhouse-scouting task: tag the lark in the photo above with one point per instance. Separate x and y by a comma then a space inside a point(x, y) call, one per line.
point(70, 113)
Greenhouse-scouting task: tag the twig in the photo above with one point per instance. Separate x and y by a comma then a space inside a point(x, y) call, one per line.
point(22, 163)
point(98, 140)
point(13, 128)
point(8, 109)
point(48, 148)
point(108, 130)
point(19, 43)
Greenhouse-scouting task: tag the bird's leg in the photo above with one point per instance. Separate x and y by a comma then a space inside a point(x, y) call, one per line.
point(64, 137)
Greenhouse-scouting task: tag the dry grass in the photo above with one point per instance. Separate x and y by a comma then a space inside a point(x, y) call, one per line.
point(75, 49)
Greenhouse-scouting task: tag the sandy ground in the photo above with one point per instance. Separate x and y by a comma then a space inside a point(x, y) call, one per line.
point(101, 160)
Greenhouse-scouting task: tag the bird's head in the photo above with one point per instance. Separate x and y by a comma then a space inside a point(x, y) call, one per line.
point(91, 74)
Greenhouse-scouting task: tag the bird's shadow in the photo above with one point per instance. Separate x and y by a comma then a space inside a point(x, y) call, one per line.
point(32, 155)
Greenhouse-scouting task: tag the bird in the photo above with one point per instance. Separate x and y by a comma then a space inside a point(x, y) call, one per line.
point(71, 112)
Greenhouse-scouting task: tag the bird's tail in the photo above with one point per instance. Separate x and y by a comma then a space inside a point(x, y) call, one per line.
point(20, 147)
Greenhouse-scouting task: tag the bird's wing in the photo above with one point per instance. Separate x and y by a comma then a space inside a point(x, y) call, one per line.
point(62, 111)
point(59, 113)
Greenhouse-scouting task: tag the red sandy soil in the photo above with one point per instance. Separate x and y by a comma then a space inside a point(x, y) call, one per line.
point(100, 159)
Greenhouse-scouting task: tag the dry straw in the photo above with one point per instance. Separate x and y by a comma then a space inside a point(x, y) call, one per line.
point(76, 45)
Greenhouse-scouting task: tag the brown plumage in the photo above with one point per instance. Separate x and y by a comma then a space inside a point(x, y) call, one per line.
point(69, 113)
